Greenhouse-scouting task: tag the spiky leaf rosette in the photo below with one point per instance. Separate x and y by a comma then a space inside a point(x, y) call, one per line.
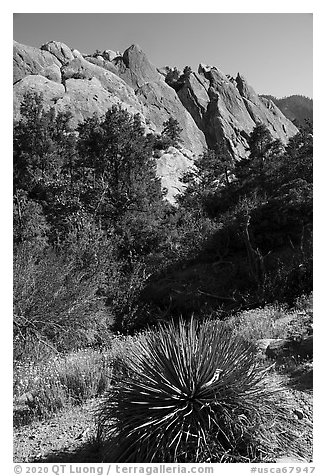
point(190, 393)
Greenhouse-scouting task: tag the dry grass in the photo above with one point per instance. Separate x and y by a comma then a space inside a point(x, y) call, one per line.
point(274, 321)
point(44, 388)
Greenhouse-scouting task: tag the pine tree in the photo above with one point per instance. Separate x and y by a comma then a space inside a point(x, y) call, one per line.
point(171, 132)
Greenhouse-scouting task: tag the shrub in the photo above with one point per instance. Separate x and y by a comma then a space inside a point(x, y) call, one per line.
point(59, 382)
point(53, 301)
point(191, 393)
point(270, 322)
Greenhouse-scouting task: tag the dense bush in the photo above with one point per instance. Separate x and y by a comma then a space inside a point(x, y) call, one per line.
point(55, 303)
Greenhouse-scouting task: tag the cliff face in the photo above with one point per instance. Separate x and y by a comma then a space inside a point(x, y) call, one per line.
point(208, 107)
point(229, 108)
point(296, 108)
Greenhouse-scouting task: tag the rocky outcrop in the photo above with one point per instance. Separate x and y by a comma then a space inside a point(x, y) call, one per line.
point(296, 107)
point(51, 91)
point(81, 97)
point(194, 95)
point(110, 55)
point(61, 51)
point(265, 111)
point(209, 106)
point(52, 72)
point(129, 80)
point(85, 98)
point(160, 100)
point(79, 68)
point(278, 348)
point(224, 107)
point(29, 60)
point(136, 69)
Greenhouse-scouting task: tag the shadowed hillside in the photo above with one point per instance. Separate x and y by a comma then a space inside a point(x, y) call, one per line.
point(297, 108)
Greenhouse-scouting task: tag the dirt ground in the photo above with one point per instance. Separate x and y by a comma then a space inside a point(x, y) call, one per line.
point(70, 436)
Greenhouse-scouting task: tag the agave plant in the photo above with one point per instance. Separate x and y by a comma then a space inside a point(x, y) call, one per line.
point(189, 392)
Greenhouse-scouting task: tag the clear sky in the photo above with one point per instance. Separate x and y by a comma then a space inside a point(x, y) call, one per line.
point(272, 50)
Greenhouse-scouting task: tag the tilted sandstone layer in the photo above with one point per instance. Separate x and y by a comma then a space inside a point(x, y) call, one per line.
point(208, 107)
point(229, 108)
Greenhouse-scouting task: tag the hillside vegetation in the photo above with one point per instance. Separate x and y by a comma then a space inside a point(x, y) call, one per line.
point(105, 268)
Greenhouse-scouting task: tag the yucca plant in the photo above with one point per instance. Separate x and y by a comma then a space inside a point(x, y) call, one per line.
point(191, 392)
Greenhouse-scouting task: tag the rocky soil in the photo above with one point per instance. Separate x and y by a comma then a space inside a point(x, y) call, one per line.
point(70, 436)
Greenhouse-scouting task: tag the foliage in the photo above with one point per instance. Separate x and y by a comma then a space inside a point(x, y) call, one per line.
point(43, 141)
point(30, 225)
point(170, 135)
point(270, 322)
point(59, 382)
point(172, 77)
point(116, 165)
point(192, 393)
point(262, 207)
point(53, 302)
point(176, 79)
point(171, 132)
point(93, 204)
point(212, 173)
point(92, 201)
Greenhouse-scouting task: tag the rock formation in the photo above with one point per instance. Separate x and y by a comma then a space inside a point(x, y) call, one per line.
point(29, 60)
point(61, 51)
point(160, 100)
point(209, 105)
point(171, 165)
point(229, 108)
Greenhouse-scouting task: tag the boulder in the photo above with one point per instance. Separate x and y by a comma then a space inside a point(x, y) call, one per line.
point(76, 53)
point(290, 347)
point(52, 72)
point(136, 69)
point(262, 344)
point(29, 60)
point(61, 51)
point(163, 70)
